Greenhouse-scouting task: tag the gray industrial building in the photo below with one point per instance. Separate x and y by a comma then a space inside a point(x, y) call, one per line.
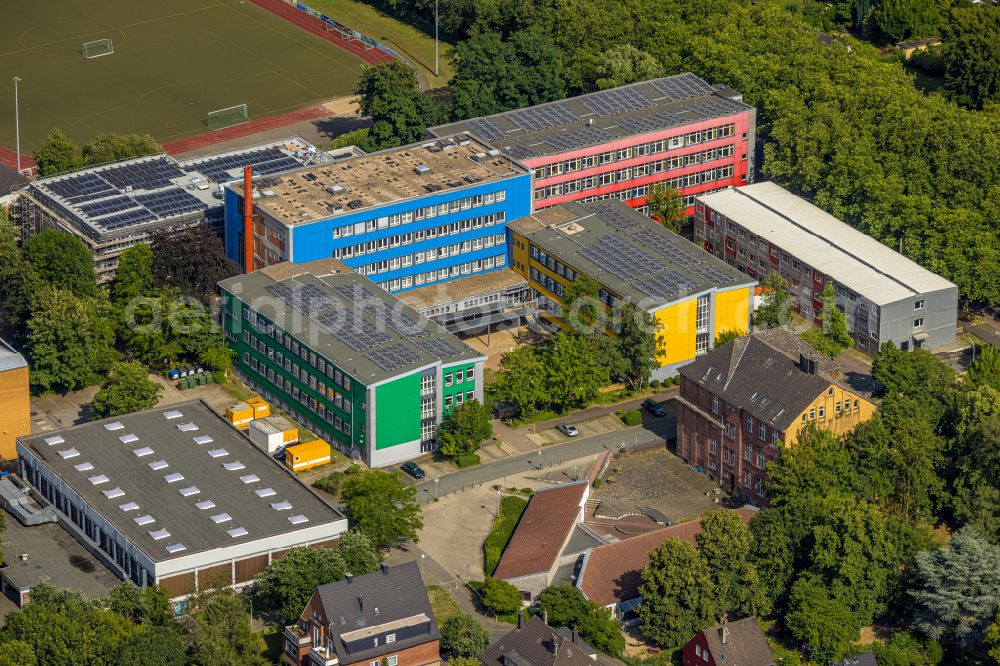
point(174, 497)
point(115, 206)
point(763, 228)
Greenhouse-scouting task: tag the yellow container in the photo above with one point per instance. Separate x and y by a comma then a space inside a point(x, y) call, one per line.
point(305, 456)
point(290, 436)
point(240, 415)
point(260, 408)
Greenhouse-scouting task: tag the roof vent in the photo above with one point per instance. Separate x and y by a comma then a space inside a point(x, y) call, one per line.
point(98, 479)
point(157, 465)
point(297, 519)
point(128, 439)
point(172, 414)
point(190, 490)
point(283, 505)
point(69, 453)
point(186, 427)
point(128, 506)
point(144, 451)
point(221, 518)
point(250, 478)
point(203, 439)
point(52, 441)
point(112, 493)
point(174, 477)
point(422, 170)
point(204, 504)
point(114, 425)
point(176, 548)
point(335, 189)
point(234, 466)
point(218, 453)
point(237, 532)
point(84, 467)
point(265, 492)
point(144, 520)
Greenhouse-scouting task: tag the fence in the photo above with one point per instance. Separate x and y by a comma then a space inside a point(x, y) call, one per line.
point(347, 31)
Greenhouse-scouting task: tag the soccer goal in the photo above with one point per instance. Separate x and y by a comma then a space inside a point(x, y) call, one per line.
point(233, 115)
point(98, 48)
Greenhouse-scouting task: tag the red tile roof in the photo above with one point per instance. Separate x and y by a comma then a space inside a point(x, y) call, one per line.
point(543, 529)
point(611, 572)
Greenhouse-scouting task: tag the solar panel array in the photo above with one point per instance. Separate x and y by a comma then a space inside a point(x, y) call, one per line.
point(718, 107)
point(682, 86)
point(579, 138)
point(168, 203)
point(664, 246)
point(399, 321)
point(616, 100)
point(664, 283)
point(145, 175)
point(542, 117)
point(107, 206)
point(651, 122)
point(623, 260)
point(486, 129)
point(81, 188)
point(520, 152)
point(436, 347)
point(622, 220)
point(330, 315)
point(265, 161)
point(128, 219)
point(392, 357)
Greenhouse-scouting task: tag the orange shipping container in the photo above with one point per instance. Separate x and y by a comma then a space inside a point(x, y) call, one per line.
point(305, 456)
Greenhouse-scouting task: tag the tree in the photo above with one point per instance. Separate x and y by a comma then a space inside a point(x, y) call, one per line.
point(19, 653)
point(192, 261)
point(157, 646)
point(134, 275)
point(958, 590)
point(918, 373)
point(285, 586)
point(570, 377)
point(625, 64)
point(108, 147)
point(62, 261)
point(57, 155)
point(638, 343)
point(726, 544)
point(127, 389)
point(520, 380)
point(69, 342)
point(463, 636)
point(464, 428)
point(141, 605)
point(566, 606)
point(820, 621)
point(773, 312)
point(582, 306)
point(666, 207)
point(727, 335)
point(380, 506)
point(400, 112)
point(678, 596)
point(972, 55)
point(501, 597)
point(986, 369)
point(494, 74)
point(896, 20)
point(834, 338)
point(222, 635)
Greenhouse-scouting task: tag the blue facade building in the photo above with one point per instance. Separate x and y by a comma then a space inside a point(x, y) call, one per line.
point(404, 217)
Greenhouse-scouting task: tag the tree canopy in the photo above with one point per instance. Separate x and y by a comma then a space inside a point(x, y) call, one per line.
point(191, 261)
point(566, 606)
point(57, 155)
point(464, 428)
point(679, 598)
point(62, 260)
point(400, 111)
point(379, 505)
point(463, 636)
point(127, 389)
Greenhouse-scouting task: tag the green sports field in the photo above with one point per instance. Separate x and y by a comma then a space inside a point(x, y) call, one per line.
point(173, 62)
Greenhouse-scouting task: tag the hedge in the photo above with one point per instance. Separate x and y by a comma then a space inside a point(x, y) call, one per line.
point(511, 508)
point(631, 417)
point(468, 460)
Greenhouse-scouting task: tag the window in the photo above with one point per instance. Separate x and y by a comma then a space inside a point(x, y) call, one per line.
point(812, 413)
point(749, 480)
point(918, 322)
point(448, 378)
point(393, 660)
point(448, 401)
point(822, 412)
point(697, 650)
point(760, 459)
point(748, 451)
point(470, 374)
point(761, 432)
point(750, 424)
point(774, 438)
point(459, 376)
point(919, 305)
point(390, 638)
point(470, 395)
point(715, 404)
point(713, 446)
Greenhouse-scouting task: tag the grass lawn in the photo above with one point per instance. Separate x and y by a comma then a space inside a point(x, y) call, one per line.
point(272, 637)
point(402, 37)
point(442, 603)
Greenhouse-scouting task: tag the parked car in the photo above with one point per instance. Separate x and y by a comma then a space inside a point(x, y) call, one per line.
point(568, 429)
point(413, 469)
point(653, 407)
point(279, 454)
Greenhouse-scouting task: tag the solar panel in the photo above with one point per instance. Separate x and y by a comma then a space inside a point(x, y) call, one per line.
point(717, 108)
point(672, 251)
point(82, 188)
point(168, 203)
point(330, 315)
point(522, 152)
point(622, 220)
point(543, 117)
point(436, 347)
point(395, 319)
point(662, 284)
point(107, 206)
point(616, 100)
point(578, 138)
point(651, 122)
point(486, 129)
point(266, 161)
point(147, 175)
point(620, 258)
point(682, 86)
point(392, 357)
point(126, 219)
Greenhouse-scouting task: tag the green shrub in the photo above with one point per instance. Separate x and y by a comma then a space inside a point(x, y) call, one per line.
point(467, 460)
point(677, 380)
point(630, 417)
point(655, 384)
point(597, 483)
point(353, 469)
point(511, 508)
point(330, 483)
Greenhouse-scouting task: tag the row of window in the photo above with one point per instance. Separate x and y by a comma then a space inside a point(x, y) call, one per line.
point(552, 263)
point(292, 345)
point(640, 150)
point(820, 412)
point(433, 254)
point(458, 398)
point(628, 174)
point(298, 373)
point(427, 212)
point(467, 268)
point(544, 280)
point(399, 240)
point(468, 375)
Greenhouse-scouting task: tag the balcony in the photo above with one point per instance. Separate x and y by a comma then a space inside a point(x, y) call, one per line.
point(320, 656)
point(297, 635)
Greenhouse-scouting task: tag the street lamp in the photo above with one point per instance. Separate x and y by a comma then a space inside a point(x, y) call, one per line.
point(436, 488)
point(435, 37)
point(17, 123)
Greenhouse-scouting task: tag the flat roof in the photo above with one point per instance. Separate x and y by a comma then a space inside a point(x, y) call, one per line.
point(627, 252)
point(348, 319)
point(150, 191)
point(817, 238)
point(360, 183)
point(600, 117)
point(52, 556)
point(10, 358)
point(179, 476)
point(461, 288)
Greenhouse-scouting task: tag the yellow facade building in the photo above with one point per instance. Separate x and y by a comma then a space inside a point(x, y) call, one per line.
point(692, 296)
point(15, 411)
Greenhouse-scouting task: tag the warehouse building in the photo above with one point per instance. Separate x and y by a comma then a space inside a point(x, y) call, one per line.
point(690, 294)
point(115, 206)
point(347, 359)
point(615, 144)
point(175, 497)
point(405, 217)
point(763, 228)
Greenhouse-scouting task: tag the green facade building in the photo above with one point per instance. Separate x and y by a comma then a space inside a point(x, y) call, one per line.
point(346, 359)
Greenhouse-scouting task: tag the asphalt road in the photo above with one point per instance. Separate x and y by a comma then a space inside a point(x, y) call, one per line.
point(654, 428)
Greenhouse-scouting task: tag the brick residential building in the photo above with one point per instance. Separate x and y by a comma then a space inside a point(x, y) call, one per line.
point(762, 229)
point(740, 643)
point(534, 643)
point(383, 617)
point(741, 402)
point(615, 144)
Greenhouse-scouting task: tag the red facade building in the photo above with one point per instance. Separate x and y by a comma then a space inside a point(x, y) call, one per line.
point(679, 131)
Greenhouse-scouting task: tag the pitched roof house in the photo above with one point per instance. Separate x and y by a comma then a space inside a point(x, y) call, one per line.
point(739, 643)
point(381, 617)
point(535, 643)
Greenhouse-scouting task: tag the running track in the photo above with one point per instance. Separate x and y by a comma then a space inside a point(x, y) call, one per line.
point(317, 27)
point(237, 131)
point(9, 157)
